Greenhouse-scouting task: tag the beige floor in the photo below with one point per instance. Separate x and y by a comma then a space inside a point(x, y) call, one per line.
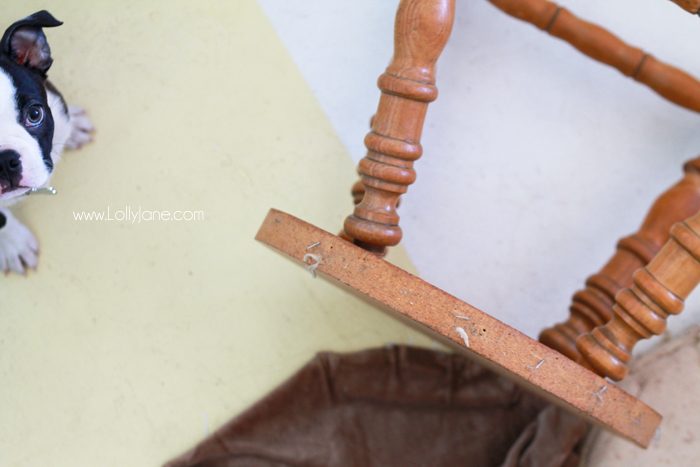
point(131, 342)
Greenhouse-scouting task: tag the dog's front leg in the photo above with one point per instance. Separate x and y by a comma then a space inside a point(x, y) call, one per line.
point(81, 128)
point(19, 249)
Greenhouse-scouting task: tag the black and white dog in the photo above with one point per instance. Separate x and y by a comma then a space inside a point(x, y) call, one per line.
point(35, 126)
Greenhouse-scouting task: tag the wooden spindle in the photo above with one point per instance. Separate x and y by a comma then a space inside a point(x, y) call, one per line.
point(691, 6)
point(659, 290)
point(670, 82)
point(421, 31)
point(358, 192)
point(593, 305)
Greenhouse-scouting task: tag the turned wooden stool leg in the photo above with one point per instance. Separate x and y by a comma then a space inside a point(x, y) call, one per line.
point(358, 188)
point(659, 290)
point(408, 86)
point(357, 192)
point(592, 306)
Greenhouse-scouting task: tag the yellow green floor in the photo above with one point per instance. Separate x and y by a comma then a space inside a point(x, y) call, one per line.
point(132, 342)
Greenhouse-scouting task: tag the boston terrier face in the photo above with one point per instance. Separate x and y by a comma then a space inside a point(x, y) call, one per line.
point(26, 119)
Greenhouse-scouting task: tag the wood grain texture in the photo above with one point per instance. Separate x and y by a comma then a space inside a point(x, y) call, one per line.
point(462, 326)
point(691, 6)
point(593, 306)
point(421, 31)
point(641, 311)
point(601, 45)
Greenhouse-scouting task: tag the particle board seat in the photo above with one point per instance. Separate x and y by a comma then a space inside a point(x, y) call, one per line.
point(462, 326)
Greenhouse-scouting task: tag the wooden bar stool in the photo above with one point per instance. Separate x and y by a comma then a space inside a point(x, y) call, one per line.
point(559, 370)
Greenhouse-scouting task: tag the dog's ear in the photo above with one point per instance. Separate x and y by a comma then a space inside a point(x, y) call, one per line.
point(25, 42)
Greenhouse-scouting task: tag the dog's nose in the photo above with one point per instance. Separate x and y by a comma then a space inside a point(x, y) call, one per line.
point(10, 169)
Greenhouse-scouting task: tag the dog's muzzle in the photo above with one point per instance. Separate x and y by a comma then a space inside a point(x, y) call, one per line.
point(10, 170)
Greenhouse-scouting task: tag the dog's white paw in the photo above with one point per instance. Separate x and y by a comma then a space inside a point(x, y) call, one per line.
point(19, 250)
point(81, 128)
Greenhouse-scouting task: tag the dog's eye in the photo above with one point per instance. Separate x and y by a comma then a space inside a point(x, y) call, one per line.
point(34, 115)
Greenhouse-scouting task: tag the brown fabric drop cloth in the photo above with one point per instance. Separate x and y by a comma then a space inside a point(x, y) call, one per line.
point(395, 406)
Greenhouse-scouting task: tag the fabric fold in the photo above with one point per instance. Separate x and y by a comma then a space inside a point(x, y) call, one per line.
point(393, 406)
